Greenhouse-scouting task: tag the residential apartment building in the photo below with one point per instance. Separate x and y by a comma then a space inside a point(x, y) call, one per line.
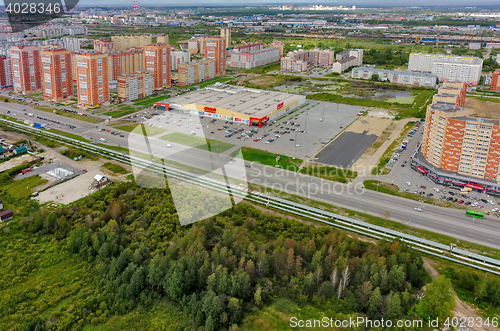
point(157, 60)
point(92, 78)
point(122, 43)
point(127, 62)
point(178, 57)
point(56, 73)
point(196, 72)
point(299, 55)
point(193, 45)
point(215, 48)
point(26, 69)
point(289, 64)
point(458, 149)
point(5, 71)
point(162, 39)
point(254, 58)
point(448, 67)
point(225, 32)
point(135, 86)
point(280, 45)
point(495, 81)
point(350, 53)
point(397, 77)
point(321, 57)
point(104, 45)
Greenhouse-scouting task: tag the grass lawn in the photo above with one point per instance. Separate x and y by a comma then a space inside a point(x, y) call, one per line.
point(70, 115)
point(69, 135)
point(198, 142)
point(22, 188)
point(210, 82)
point(125, 107)
point(115, 168)
point(150, 101)
point(119, 113)
point(329, 173)
point(150, 131)
point(267, 158)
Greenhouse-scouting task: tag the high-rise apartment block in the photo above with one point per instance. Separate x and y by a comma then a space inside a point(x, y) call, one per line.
point(215, 48)
point(157, 60)
point(448, 67)
point(495, 81)
point(126, 62)
point(104, 45)
point(193, 45)
point(251, 56)
point(92, 78)
point(161, 39)
point(280, 45)
point(196, 72)
point(135, 86)
point(458, 149)
point(5, 71)
point(56, 73)
point(26, 69)
point(178, 57)
point(357, 54)
point(225, 32)
point(321, 57)
point(122, 43)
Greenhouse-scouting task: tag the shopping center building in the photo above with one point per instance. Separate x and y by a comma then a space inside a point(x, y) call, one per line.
point(237, 104)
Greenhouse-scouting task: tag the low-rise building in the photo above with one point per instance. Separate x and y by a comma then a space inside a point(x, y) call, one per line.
point(196, 71)
point(397, 77)
point(256, 57)
point(289, 64)
point(6, 215)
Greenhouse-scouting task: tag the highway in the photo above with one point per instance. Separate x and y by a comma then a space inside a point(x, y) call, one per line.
point(451, 222)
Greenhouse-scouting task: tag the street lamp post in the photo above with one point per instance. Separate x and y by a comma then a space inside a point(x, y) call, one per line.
point(323, 115)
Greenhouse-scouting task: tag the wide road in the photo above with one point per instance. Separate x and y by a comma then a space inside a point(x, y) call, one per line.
point(451, 222)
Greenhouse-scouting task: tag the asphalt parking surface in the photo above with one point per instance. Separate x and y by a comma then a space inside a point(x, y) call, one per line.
point(346, 149)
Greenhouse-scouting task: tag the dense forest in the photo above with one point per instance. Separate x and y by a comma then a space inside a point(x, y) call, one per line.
point(123, 249)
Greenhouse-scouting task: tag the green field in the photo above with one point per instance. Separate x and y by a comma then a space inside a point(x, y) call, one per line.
point(150, 131)
point(198, 142)
point(150, 101)
point(267, 158)
point(119, 113)
point(115, 168)
point(69, 135)
point(22, 188)
point(210, 82)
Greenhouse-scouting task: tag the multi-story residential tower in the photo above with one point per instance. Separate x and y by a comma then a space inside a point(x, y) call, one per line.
point(161, 39)
point(225, 32)
point(5, 71)
point(56, 73)
point(495, 81)
point(135, 86)
point(127, 62)
point(448, 67)
point(104, 45)
point(196, 72)
point(321, 57)
point(280, 45)
point(124, 42)
point(26, 70)
point(178, 57)
point(92, 78)
point(215, 48)
point(157, 60)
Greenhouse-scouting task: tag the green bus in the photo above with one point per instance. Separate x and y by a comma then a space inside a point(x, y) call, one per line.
point(475, 214)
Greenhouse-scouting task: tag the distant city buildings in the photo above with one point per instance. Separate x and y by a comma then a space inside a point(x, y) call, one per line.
point(254, 55)
point(215, 48)
point(448, 67)
point(92, 78)
point(397, 77)
point(157, 60)
point(495, 81)
point(225, 32)
point(56, 73)
point(196, 71)
point(122, 43)
point(26, 69)
point(135, 86)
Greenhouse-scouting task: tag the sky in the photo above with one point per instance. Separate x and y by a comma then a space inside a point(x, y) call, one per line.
point(364, 3)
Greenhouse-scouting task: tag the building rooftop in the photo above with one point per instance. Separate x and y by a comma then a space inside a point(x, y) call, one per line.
point(397, 72)
point(252, 102)
point(478, 120)
point(347, 59)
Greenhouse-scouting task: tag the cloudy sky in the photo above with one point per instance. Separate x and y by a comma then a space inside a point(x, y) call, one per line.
point(365, 3)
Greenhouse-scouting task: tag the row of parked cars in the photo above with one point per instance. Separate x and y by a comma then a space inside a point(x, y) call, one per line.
point(74, 112)
point(56, 122)
point(400, 150)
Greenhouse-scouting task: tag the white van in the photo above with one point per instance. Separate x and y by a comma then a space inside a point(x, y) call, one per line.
point(30, 115)
point(103, 140)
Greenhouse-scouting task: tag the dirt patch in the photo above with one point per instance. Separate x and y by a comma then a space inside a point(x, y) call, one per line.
point(483, 108)
point(462, 310)
point(374, 125)
point(264, 81)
